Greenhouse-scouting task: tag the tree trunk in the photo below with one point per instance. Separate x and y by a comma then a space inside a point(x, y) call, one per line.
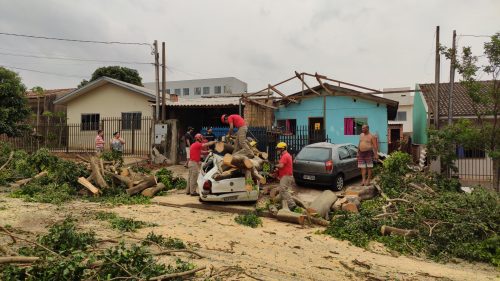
point(88, 185)
point(22, 182)
point(18, 259)
point(239, 161)
point(284, 214)
point(323, 203)
point(248, 180)
point(151, 191)
point(256, 163)
point(387, 230)
point(96, 173)
point(148, 182)
point(127, 181)
point(232, 172)
point(224, 148)
point(256, 176)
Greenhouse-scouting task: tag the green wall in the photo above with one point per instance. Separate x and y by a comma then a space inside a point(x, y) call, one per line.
point(419, 118)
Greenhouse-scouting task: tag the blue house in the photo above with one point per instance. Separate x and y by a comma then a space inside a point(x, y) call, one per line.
point(339, 112)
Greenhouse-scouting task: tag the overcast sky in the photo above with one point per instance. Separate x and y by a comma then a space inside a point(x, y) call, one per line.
point(377, 44)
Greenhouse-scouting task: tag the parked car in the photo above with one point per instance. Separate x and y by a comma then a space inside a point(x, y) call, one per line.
point(326, 164)
point(227, 190)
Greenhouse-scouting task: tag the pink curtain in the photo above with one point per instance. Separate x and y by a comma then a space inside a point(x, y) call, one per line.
point(348, 126)
point(287, 126)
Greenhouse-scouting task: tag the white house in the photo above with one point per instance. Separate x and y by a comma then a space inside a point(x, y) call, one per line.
point(203, 87)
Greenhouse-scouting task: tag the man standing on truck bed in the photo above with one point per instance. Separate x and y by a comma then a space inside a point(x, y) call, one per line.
point(195, 163)
point(285, 175)
point(241, 143)
point(367, 150)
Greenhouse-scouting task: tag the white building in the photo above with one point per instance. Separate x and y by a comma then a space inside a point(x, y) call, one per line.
point(203, 87)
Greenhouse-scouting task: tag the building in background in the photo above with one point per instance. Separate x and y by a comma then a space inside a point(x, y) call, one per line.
point(203, 87)
point(402, 127)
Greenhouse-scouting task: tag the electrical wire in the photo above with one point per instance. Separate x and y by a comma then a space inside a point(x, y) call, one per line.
point(473, 35)
point(42, 72)
point(73, 59)
point(76, 40)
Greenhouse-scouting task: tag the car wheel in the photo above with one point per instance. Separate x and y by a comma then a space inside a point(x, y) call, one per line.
point(338, 182)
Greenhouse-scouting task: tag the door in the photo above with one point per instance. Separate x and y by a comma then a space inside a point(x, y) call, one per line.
point(316, 130)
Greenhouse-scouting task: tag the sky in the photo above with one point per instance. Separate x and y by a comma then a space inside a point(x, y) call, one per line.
point(376, 44)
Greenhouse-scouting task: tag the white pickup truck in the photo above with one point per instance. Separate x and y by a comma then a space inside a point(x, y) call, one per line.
point(227, 190)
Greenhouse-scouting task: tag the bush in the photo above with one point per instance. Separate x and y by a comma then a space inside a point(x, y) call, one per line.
point(40, 191)
point(167, 178)
point(250, 219)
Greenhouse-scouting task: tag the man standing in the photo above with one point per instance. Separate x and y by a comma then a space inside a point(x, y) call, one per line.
point(367, 151)
point(209, 136)
point(241, 142)
point(188, 140)
point(285, 175)
point(195, 163)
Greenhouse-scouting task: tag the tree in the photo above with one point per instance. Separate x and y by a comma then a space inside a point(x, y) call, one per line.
point(488, 123)
point(117, 72)
point(13, 103)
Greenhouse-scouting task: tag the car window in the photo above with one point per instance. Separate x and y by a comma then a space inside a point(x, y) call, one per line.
point(314, 154)
point(353, 150)
point(343, 153)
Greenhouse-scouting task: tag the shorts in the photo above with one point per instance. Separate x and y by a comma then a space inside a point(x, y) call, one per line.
point(187, 152)
point(365, 159)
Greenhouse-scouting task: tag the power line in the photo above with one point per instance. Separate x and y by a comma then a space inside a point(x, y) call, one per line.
point(43, 72)
point(75, 40)
point(473, 35)
point(73, 59)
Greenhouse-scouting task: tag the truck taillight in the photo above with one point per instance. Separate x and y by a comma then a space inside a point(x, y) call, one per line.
point(207, 186)
point(329, 165)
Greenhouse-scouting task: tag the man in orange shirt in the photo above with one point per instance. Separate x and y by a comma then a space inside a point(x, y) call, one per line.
point(241, 144)
point(285, 175)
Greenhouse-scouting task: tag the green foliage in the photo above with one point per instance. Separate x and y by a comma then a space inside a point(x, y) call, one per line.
point(141, 169)
point(64, 239)
point(166, 177)
point(169, 242)
point(122, 224)
point(116, 196)
point(124, 74)
point(250, 219)
point(112, 155)
point(393, 171)
point(13, 103)
point(40, 190)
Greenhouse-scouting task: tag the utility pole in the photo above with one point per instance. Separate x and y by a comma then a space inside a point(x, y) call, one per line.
point(437, 70)
point(163, 83)
point(157, 84)
point(452, 78)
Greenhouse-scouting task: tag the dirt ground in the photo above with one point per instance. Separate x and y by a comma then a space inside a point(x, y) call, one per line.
point(275, 251)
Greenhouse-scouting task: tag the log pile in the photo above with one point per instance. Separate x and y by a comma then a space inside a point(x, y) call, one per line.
point(135, 183)
point(235, 165)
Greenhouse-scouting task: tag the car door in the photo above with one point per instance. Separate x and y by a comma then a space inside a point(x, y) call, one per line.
point(344, 162)
point(353, 150)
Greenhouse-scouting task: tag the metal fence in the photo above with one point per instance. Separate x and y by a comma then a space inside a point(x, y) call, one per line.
point(474, 165)
point(80, 137)
point(267, 138)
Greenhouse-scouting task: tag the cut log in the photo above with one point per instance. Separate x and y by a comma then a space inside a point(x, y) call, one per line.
point(148, 182)
point(284, 214)
point(101, 165)
point(256, 163)
point(299, 202)
point(350, 207)
point(224, 148)
point(22, 182)
point(319, 221)
point(239, 161)
point(125, 180)
point(89, 186)
point(264, 155)
point(354, 200)
point(96, 173)
point(363, 192)
point(125, 172)
point(256, 176)
point(151, 191)
point(387, 230)
point(323, 203)
point(232, 172)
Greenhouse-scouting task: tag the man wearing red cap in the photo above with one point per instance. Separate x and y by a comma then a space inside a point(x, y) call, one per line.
point(194, 164)
point(241, 143)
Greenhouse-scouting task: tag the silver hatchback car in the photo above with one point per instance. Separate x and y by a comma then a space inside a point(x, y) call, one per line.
point(326, 164)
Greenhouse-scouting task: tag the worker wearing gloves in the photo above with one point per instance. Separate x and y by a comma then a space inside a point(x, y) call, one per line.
point(241, 145)
point(285, 175)
point(195, 163)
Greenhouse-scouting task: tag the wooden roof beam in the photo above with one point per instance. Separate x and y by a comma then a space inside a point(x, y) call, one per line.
point(281, 94)
point(304, 82)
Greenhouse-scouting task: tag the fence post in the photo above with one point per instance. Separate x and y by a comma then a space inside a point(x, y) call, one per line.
point(133, 138)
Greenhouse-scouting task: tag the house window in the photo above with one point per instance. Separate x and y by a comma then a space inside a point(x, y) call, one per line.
point(206, 90)
point(352, 125)
point(90, 122)
point(177, 92)
point(168, 91)
point(197, 91)
point(131, 120)
point(227, 90)
point(288, 126)
point(217, 89)
point(185, 91)
point(469, 153)
point(401, 116)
